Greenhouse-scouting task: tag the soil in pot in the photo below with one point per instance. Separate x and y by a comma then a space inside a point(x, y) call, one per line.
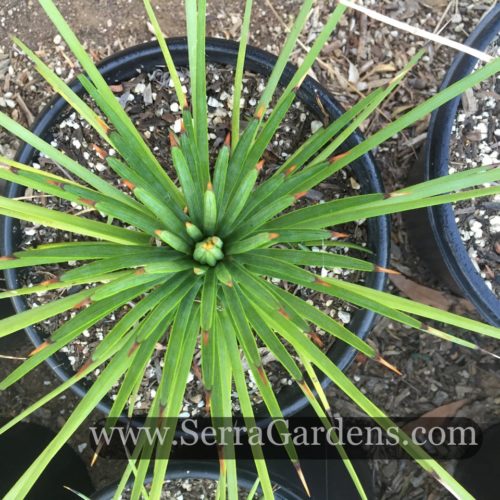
point(150, 100)
point(475, 141)
point(191, 489)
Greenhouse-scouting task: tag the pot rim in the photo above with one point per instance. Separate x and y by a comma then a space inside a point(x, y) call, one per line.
point(441, 218)
point(196, 469)
point(124, 65)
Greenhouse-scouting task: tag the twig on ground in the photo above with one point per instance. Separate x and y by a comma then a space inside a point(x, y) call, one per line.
point(418, 31)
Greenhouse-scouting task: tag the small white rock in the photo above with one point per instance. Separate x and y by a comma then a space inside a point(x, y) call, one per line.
point(214, 103)
point(315, 125)
point(140, 88)
point(344, 316)
point(177, 127)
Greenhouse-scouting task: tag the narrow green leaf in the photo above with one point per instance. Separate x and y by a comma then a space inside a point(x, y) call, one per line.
point(243, 246)
point(111, 374)
point(231, 346)
point(181, 96)
point(209, 210)
point(71, 223)
point(220, 171)
point(208, 300)
point(238, 74)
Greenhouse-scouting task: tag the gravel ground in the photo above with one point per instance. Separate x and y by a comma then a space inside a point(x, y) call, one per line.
point(362, 56)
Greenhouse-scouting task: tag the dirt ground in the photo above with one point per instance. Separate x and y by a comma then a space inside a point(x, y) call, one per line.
point(361, 56)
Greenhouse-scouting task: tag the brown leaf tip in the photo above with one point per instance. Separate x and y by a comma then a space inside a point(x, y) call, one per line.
point(8, 257)
point(86, 201)
point(50, 282)
point(305, 388)
point(298, 469)
point(273, 236)
point(53, 182)
point(262, 374)
point(259, 113)
point(380, 269)
point(210, 186)
point(133, 348)
point(84, 366)
point(84, 303)
point(128, 184)
point(290, 170)
point(316, 340)
point(40, 348)
point(336, 234)
point(259, 166)
point(204, 337)
point(297, 196)
point(321, 282)
point(208, 401)
point(99, 151)
point(335, 158)
point(103, 124)
point(227, 140)
point(283, 313)
point(173, 140)
point(385, 363)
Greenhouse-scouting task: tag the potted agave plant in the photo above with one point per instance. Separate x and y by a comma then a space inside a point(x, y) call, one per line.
point(203, 249)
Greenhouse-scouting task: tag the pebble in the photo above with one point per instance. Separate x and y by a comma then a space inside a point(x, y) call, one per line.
point(316, 125)
point(344, 316)
point(57, 39)
point(140, 88)
point(177, 126)
point(214, 103)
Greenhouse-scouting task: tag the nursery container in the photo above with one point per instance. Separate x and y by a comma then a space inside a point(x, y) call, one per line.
point(125, 65)
point(433, 230)
point(21, 445)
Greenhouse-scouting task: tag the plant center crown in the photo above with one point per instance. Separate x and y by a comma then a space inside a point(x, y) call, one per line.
point(209, 251)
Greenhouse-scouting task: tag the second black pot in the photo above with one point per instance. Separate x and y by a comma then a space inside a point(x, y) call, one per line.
point(21, 445)
point(433, 230)
point(122, 67)
point(325, 478)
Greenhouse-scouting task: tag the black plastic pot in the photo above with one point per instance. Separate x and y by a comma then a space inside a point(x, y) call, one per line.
point(326, 479)
point(21, 445)
point(123, 66)
point(433, 230)
point(480, 474)
point(197, 469)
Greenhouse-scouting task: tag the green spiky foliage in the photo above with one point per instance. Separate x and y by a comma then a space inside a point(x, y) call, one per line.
point(196, 253)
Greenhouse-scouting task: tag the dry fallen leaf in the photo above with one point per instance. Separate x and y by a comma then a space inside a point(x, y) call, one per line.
point(427, 295)
point(422, 293)
point(438, 415)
